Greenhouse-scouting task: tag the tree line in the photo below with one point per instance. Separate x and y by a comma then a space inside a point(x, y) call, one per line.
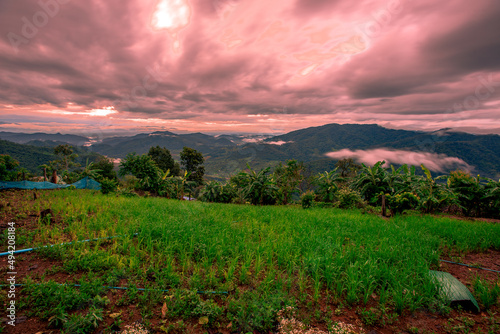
point(349, 185)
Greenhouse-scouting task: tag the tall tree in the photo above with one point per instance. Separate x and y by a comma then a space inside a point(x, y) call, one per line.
point(192, 161)
point(288, 178)
point(163, 159)
point(347, 167)
point(144, 168)
point(66, 157)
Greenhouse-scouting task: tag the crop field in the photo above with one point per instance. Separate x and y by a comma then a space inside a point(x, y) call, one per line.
point(224, 268)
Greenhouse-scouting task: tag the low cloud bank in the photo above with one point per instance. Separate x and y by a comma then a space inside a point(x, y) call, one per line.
point(279, 142)
point(433, 161)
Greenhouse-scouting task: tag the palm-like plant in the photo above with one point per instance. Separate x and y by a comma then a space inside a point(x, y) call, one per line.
point(433, 195)
point(261, 188)
point(371, 181)
point(89, 171)
point(492, 197)
point(470, 192)
point(327, 184)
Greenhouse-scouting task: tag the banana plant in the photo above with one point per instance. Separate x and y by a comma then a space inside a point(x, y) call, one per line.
point(371, 181)
point(327, 184)
point(261, 188)
point(433, 195)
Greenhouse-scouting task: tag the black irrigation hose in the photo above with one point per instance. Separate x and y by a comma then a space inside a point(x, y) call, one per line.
point(467, 265)
point(126, 288)
point(63, 244)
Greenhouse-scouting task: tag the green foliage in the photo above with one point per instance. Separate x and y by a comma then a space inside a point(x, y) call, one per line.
point(104, 168)
point(260, 187)
point(183, 303)
point(486, 293)
point(492, 198)
point(51, 301)
point(347, 167)
point(218, 193)
point(8, 167)
point(256, 312)
point(433, 195)
point(327, 185)
point(164, 161)
point(144, 169)
point(401, 202)
point(83, 324)
point(287, 179)
point(371, 181)
point(349, 199)
point(192, 161)
point(108, 185)
point(66, 157)
point(307, 199)
point(469, 191)
point(277, 253)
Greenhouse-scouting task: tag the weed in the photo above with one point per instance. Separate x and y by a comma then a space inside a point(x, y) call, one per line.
point(83, 324)
point(371, 317)
point(255, 312)
point(486, 293)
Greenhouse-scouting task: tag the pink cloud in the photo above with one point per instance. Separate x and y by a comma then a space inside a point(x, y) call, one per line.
point(433, 161)
point(399, 63)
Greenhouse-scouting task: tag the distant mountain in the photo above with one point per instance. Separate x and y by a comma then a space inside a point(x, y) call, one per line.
point(23, 138)
point(227, 154)
point(311, 144)
point(31, 157)
point(119, 147)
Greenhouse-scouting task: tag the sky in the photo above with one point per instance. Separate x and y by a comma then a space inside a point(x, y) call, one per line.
point(100, 67)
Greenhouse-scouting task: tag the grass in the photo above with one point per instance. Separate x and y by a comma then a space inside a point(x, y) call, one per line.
point(266, 257)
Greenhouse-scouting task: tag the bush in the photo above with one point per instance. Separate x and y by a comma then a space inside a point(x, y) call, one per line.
point(108, 186)
point(255, 312)
point(218, 193)
point(401, 202)
point(306, 200)
point(349, 199)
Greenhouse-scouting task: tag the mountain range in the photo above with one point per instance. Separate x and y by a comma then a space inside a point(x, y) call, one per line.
point(226, 154)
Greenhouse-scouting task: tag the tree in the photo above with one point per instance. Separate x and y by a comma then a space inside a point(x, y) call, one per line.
point(261, 188)
point(371, 181)
point(432, 195)
point(104, 168)
point(327, 185)
point(469, 190)
point(8, 165)
point(347, 167)
point(163, 159)
point(192, 161)
point(90, 171)
point(66, 157)
point(144, 168)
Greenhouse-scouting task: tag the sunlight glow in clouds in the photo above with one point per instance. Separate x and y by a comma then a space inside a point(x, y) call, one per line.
point(171, 15)
point(250, 65)
point(106, 111)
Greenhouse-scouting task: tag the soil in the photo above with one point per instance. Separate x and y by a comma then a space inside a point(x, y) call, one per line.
point(32, 264)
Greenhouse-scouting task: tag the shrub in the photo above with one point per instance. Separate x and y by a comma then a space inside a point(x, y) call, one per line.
point(349, 199)
point(255, 312)
point(218, 193)
point(401, 202)
point(108, 185)
point(306, 200)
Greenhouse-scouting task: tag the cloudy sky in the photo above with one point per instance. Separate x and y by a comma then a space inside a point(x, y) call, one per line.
point(225, 66)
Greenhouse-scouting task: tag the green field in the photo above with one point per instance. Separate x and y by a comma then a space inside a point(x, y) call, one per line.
point(320, 261)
